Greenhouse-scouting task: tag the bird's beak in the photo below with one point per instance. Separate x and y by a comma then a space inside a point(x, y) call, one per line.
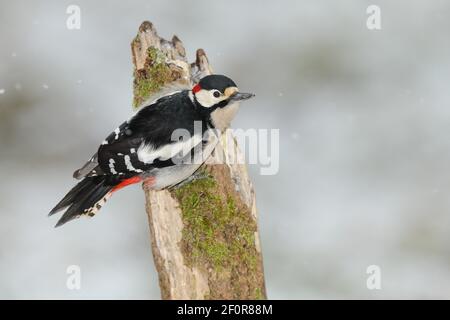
point(241, 96)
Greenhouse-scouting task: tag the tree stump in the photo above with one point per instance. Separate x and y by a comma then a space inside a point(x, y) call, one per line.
point(204, 235)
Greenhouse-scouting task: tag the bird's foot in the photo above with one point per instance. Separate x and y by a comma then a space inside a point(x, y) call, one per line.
point(196, 176)
point(148, 183)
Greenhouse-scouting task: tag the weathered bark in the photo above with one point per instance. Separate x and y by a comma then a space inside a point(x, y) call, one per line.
point(204, 235)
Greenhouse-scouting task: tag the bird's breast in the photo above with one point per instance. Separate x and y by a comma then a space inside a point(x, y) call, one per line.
point(221, 117)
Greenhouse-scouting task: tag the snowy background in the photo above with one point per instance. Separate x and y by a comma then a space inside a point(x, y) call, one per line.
point(364, 118)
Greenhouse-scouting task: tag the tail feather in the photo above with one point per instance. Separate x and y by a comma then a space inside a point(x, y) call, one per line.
point(80, 188)
point(86, 198)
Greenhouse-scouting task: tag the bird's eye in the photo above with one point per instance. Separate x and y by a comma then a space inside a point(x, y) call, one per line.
point(216, 94)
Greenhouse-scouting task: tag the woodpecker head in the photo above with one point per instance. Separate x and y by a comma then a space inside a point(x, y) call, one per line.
point(219, 97)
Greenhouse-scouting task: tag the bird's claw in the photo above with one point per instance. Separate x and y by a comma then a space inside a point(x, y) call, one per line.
point(196, 176)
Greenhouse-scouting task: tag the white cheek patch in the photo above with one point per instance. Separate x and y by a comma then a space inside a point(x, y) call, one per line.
point(207, 99)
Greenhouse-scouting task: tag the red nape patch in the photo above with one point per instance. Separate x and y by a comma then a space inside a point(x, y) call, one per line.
point(126, 182)
point(196, 88)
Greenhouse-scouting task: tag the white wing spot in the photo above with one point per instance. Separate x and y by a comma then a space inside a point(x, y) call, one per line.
point(111, 166)
point(104, 142)
point(130, 165)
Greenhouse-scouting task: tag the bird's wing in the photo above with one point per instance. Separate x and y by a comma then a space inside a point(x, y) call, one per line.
point(128, 153)
point(151, 138)
point(147, 141)
point(115, 142)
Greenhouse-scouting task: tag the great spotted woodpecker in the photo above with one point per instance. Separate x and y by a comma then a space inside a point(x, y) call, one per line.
point(144, 148)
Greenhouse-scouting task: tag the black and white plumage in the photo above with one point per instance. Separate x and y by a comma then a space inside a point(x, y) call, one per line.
point(164, 143)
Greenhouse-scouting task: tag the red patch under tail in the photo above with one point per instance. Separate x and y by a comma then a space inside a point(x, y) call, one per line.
point(127, 182)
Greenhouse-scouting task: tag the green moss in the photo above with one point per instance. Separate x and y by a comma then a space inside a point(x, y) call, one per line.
point(258, 294)
point(216, 231)
point(149, 80)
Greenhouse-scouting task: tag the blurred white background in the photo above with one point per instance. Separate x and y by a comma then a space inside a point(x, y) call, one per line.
point(363, 116)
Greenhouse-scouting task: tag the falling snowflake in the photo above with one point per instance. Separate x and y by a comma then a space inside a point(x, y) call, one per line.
point(45, 86)
point(18, 86)
point(2, 91)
